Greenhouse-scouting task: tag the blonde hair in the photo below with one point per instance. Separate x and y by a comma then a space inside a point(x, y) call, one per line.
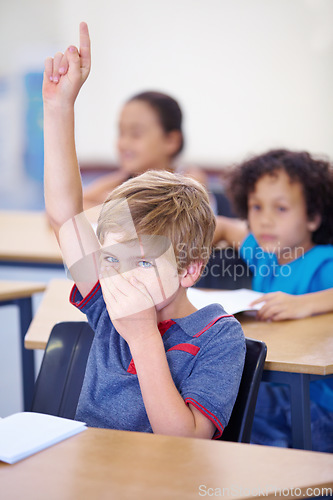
point(166, 204)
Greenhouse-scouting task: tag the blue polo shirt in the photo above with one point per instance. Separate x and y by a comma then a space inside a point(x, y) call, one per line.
point(205, 352)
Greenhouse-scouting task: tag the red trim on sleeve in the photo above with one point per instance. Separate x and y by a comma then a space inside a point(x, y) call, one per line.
point(73, 295)
point(209, 415)
point(191, 349)
point(212, 323)
point(85, 299)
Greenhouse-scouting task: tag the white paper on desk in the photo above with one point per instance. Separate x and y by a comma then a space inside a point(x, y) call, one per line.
point(233, 301)
point(23, 434)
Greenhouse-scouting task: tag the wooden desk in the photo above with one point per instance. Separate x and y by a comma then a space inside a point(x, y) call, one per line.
point(300, 346)
point(54, 308)
point(15, 290)
point(27, 237)
point(108, 464)
point(19, 294)
point(296, 350)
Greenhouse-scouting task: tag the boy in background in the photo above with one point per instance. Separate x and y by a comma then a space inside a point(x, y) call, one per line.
point(286, 197)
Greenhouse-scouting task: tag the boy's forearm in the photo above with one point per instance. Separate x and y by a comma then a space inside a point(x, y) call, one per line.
point(63, 198)
point(166, 409)
point(63, 77)
point(62, 180)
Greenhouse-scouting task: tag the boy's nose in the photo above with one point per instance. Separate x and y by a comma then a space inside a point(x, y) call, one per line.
point(126, 270)
point(266, 218)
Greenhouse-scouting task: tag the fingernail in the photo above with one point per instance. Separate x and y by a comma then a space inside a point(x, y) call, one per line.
point(61, 70)
point(51, 78)
point(56, 79)
point(71, 49)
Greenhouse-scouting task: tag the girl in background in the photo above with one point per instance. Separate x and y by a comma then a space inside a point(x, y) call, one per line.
point(150, 137)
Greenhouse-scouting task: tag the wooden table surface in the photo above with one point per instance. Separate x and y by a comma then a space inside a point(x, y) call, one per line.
point(108, 464)
point(54, 308)
point(27, 237)
point(301, 346)
point(11, 290)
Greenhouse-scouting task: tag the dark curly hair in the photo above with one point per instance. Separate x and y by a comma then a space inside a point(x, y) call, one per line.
point(315, 176)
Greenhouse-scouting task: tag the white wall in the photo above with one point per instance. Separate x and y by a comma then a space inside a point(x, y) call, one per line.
point(249, 74)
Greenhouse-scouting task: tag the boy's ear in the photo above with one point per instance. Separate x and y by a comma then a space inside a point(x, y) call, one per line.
point(191, 274)
point(314, 223)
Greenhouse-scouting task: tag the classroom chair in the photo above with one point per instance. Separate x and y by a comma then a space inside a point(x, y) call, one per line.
point(59, 382)
point(241, 420)
point(60, 378)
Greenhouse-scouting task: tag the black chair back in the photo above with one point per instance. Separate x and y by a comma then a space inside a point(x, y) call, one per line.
point(241, 420)
point(61, 374)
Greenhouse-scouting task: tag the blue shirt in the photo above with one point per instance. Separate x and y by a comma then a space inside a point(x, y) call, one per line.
point(205, 352)
point(311, 272)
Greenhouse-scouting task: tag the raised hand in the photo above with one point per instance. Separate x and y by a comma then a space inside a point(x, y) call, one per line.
point(65, 73)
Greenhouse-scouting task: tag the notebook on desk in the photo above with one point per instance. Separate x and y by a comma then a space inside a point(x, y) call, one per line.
point(23, 434)
point(233, 301)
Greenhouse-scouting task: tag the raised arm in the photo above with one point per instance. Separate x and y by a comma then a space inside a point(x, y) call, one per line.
point(233, 231)
point(63, 77)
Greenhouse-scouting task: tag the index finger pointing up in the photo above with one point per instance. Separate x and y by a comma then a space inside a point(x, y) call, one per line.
point(84, 45)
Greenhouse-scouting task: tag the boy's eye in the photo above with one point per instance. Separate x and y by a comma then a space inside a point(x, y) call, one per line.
point(282, 209)
point(112, 260)
point(145, 264)
point(255, 207)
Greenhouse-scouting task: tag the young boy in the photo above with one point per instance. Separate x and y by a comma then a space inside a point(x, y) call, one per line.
point(156, 363)
point(286, 197)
